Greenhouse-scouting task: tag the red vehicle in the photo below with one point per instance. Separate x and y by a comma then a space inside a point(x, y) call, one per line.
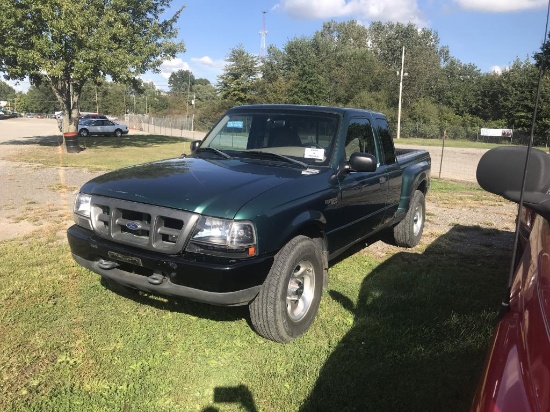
point(517, 370)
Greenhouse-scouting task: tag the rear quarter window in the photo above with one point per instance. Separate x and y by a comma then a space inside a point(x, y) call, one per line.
point(388, 148)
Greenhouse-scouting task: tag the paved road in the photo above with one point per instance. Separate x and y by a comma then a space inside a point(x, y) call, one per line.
point(43, 194)
point(22, 127)
point(458, 163)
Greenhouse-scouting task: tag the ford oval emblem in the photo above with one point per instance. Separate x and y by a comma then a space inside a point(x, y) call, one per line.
point(133, 225)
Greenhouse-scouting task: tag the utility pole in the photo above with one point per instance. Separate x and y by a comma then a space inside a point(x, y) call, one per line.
point(187, 100)
point(400, 94)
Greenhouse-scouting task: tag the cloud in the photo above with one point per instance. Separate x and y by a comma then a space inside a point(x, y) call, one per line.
point(403, 11)
point(500, 6)
point(170, 66)
point(201, 67)
point(496, 70)
point(209, 62)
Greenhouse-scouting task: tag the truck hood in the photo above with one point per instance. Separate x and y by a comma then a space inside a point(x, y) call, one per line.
point(211, 187)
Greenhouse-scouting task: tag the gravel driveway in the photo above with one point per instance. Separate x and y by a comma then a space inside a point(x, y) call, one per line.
point(31, 194)
point(33, 197)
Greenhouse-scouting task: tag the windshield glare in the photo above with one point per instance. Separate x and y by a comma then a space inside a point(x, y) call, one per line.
point(308, 138)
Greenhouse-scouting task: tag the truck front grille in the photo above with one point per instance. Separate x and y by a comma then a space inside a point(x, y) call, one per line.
point(150, 227)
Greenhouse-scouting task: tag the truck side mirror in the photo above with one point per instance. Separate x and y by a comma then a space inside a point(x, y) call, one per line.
point(500, 171)
point(195, 145)
point(362, 162)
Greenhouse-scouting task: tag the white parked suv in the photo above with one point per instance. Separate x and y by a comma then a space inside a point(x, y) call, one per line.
point(101, 127)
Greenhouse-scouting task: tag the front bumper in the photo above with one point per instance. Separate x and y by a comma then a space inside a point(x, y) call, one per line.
point(203, 279)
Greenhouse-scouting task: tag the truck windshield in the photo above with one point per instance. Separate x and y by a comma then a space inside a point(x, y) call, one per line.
point(308, 138)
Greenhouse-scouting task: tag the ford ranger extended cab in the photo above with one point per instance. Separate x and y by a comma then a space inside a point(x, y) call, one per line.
point(255, 213)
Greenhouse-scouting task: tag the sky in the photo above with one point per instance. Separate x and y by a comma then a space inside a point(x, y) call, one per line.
point(488, 33)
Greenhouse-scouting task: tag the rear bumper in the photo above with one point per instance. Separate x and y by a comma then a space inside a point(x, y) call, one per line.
point(198, 278)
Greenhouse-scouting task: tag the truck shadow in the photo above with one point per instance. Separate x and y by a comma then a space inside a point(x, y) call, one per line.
point(421, 323)
point(203, 310)
point(185, 306)
point(99, 141)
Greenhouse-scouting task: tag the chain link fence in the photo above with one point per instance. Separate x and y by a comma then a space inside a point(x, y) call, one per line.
point(164, 125)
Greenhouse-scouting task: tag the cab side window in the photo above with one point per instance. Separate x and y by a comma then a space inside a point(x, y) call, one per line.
point(359, 138)
point(383, 130)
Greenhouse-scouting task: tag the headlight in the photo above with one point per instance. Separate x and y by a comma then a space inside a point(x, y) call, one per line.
point(82, 205)
point(223, 237)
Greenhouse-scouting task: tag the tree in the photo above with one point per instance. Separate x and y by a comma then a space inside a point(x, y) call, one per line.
point(6, 91)
point(204, 92)
point(423, 56)
point(240, 76)
point(273, 85)
point(40, 99)
point(349, 65)
point(308, 80)
point(65, 43)
point(542, 58)
point(519, 94)
point(457, 87)
point(181, 81)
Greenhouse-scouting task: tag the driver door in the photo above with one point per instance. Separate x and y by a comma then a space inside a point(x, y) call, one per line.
point(362, 194)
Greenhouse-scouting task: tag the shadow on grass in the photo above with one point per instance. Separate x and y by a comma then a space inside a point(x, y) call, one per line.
point(100, 141)
point(238, 396)
point(186, 306)
point(422, 326)
point(50, 141)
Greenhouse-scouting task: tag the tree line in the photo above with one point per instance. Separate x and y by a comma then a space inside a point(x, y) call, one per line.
point(342, 64)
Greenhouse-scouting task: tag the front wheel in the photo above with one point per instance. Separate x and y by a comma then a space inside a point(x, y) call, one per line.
point(118, 132)
point(289, 298)
point(83, 132)
point(408, 232)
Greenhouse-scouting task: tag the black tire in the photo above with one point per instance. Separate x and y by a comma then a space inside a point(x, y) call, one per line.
point(118, 132)
point(408, 232)
point(289, 299)
point(83, 132)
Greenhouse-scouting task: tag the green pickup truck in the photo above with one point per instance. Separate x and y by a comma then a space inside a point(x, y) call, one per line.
point(255, 213)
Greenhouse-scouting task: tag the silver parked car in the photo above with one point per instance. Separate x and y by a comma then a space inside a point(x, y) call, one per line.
point(101, 127)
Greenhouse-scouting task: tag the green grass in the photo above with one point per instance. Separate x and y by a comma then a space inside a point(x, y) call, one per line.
point(448, 186)
point(407, 331)
point(448, 143)
point(104, 153)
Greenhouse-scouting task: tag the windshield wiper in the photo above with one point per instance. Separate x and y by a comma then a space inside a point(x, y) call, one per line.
point(212, 150)
point(277, 156)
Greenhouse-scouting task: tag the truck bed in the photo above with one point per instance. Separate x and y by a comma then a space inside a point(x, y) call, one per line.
point(407, 156)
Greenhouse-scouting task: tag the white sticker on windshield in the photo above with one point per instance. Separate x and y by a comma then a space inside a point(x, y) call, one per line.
point(314, 153)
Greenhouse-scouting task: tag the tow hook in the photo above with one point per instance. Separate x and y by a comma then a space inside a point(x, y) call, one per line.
point(155, 279)
point(106, 264)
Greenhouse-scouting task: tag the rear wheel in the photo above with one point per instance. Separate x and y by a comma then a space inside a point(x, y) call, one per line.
point(408, 232)
point(289, 298)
